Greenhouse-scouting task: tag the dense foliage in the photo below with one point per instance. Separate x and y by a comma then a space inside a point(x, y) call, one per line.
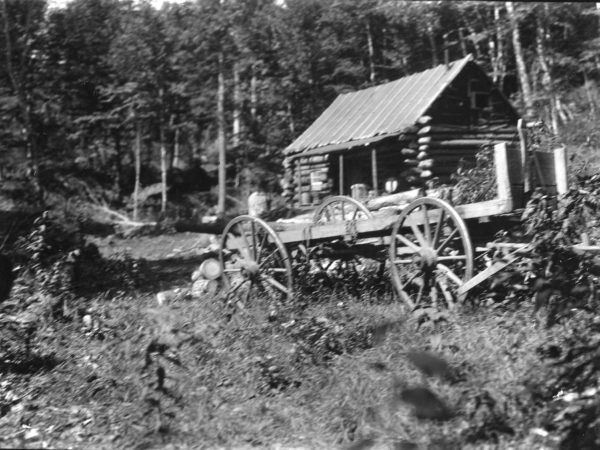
point(85, 85)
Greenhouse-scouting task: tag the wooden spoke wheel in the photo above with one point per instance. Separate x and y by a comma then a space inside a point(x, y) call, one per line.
point(431, 254)
point(254, 262)
point(339, 208)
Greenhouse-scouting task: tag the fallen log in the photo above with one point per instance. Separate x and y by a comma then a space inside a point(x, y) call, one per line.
point(217, 227)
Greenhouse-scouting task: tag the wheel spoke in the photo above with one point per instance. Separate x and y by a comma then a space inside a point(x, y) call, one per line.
point(254, 249)
point(407, 242)
point(426, 224)
point(264, 261)
point(447, 240)
point(452, 258)
point(245, 251)
point(260, 248)
point(446, 293)
point(411, 279)
point(418, 234)
point(247, 299)
point(438, 228)
point(403, 261)
point(450, 274)
point(236, 287)
point(273, 282)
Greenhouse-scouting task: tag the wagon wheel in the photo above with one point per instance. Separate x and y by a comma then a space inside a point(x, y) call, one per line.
point(254, 261)
point(340, 208)
point(431, 254)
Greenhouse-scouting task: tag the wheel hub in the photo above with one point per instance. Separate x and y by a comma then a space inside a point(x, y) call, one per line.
point(426, 258)
point(250, 269)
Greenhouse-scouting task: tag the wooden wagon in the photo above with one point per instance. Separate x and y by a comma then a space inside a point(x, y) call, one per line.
point(425, 244)
point(416, 130)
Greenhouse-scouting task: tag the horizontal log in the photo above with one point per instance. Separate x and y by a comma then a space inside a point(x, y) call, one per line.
point(424, 147)
point(449, 156)
point(309, 169)
point(426, 164)
point(410, 143)
point(458, 143)
point(423, 155)
point(415, 181)
point(469, 130)
point(451, 136)
point(408, 152)
point(424, 120)
point(426, 174)
point(411, 162)
point(411, 172)
point(441, 156)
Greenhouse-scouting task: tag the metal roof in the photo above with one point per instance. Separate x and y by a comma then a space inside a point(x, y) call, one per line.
point(377, 112)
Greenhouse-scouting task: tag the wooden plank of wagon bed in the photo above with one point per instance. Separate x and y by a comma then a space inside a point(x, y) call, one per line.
point(380, 226)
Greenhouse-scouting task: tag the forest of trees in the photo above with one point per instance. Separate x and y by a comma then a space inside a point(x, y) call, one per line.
point(131, 96)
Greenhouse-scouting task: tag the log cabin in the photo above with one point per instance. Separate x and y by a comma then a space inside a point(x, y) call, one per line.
point(399, 135)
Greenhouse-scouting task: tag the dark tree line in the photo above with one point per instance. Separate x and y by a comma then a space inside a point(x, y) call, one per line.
point(139, 94)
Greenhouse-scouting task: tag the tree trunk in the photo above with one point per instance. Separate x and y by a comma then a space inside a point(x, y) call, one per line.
point(588, 92)
point(138, 166)
point(221, 136)
point(463, 43)
point(520, 60)
point(546, 77)
point(117, 165)
point(292, 124)
point(163, 170)
point(371, 50)
point(499, 63)
point(253, 94)
point(237, 105)
point(176, 161)
point(17, 81)
point(163, 154)
point(431, 37)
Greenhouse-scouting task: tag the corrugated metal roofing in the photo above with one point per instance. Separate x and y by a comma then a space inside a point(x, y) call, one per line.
point(377, 112)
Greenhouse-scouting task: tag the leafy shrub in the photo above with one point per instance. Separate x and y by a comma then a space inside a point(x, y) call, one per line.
point(571, 391)
point(60, 263)
point(475, 183)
